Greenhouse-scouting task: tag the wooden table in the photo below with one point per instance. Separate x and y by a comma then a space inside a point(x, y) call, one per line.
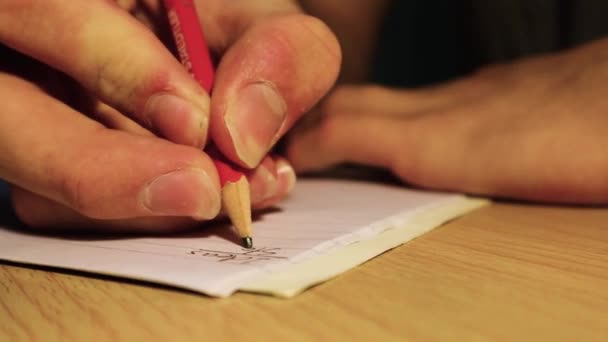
point(506, 272)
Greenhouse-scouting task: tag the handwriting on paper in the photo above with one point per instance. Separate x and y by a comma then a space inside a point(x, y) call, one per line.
point(245, 256)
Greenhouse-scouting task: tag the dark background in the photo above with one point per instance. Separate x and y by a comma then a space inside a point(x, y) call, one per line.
point(428, 41)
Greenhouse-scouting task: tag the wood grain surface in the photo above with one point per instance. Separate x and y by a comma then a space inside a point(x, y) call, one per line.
point(507, 272)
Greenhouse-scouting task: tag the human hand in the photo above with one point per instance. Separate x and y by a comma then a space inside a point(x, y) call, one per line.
point(534, 130)
point(68, 169)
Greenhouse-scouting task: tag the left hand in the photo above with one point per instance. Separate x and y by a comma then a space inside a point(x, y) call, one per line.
point(536, 130)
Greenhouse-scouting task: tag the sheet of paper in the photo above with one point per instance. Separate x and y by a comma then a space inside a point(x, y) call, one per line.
point(297, 278)
point(320, 218)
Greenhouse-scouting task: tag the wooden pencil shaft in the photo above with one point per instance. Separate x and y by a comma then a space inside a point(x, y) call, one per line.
point(237, 205)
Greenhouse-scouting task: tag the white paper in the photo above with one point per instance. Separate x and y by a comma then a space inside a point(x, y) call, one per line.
point(298, 277)
point(321, 217)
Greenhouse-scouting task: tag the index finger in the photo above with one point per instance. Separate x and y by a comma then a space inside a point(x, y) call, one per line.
point(113, 55)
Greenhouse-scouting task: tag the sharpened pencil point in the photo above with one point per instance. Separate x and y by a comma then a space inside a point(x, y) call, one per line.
point(248, 242)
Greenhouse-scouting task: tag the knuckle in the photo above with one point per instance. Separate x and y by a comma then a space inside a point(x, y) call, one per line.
point(76, 185)
point(109, 77)
point(125, 76)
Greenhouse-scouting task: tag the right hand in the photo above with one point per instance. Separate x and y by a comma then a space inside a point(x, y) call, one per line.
point(83, 155)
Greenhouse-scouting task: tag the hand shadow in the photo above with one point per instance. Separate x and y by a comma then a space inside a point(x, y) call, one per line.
point(220, 227)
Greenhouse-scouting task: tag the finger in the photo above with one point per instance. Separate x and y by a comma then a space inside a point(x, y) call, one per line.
point(275, 71)
point(448, 151)
point(113, 55)
point(286, 181)
point(263, 181)
point(112, 118)
point(51, 150)
point(368, 139)
point(43, 214)
point(271, 181)
point(394, 101)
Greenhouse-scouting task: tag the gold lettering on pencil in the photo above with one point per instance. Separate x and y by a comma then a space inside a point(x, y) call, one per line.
point(180, 41)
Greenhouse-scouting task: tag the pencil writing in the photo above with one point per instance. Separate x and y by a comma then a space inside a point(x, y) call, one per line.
point(246, 256)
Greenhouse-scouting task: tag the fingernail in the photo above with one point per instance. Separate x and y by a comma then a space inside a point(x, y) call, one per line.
point(177, 119)
point(254, 118)
point(187, 192)
point(286, 174)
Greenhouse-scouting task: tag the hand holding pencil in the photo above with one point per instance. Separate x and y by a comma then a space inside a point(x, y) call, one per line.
point(92, 162)
point(194, 54)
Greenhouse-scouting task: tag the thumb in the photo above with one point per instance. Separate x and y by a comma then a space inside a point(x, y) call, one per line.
point(276, 70)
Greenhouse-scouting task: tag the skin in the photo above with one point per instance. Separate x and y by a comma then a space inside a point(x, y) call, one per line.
point(356, 24)
point(101, 126)
point(533, 130)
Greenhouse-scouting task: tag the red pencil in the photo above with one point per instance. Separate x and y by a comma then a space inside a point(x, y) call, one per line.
point(194, 55)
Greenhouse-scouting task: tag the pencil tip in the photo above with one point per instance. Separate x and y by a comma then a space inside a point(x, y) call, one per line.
point(247, 242)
